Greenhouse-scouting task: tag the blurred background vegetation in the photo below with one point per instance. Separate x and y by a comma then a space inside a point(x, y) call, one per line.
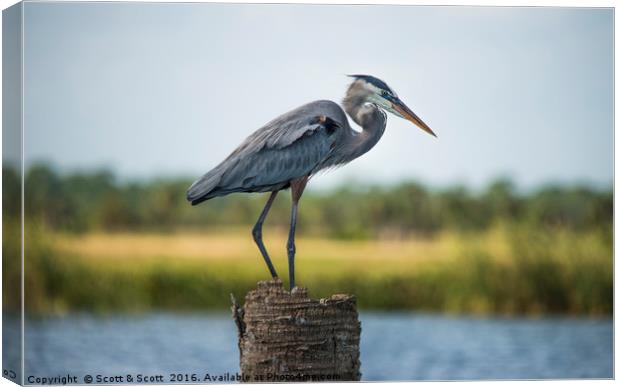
point(97, 243)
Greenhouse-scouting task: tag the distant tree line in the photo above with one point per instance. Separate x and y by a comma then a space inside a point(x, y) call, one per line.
point(82, 202)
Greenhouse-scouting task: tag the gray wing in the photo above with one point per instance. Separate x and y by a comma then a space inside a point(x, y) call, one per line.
point(290, 146)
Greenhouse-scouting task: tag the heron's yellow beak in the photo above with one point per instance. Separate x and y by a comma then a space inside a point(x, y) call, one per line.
point(407, 114)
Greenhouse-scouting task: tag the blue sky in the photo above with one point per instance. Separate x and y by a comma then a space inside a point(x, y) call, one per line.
point(171, 89)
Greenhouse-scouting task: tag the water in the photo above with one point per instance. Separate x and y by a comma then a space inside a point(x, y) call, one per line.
point(394, 346)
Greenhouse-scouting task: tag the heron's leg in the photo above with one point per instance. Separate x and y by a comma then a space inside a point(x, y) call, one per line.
point(297, 188)
point(257, 233)
point(290, 246)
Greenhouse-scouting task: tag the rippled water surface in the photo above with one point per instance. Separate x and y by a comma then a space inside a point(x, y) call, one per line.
point(393, 347)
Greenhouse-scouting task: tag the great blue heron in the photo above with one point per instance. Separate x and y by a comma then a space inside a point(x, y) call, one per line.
point(287, 151)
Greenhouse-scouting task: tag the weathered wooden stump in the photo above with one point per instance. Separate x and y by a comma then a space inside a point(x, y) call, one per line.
point(286, 336)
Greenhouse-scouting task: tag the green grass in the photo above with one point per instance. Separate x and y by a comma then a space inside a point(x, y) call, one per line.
point(509, 270)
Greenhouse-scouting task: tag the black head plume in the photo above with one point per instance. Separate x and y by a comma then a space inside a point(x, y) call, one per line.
point(373, 81)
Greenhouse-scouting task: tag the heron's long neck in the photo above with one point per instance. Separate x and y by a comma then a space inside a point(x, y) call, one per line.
point(372, 121)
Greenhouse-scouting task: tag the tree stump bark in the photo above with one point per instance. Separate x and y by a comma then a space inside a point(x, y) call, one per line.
point(286, 336)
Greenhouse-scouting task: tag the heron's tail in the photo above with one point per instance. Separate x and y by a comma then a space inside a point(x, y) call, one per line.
point(202, 189)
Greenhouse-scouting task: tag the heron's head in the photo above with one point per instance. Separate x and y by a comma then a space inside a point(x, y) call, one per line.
point(378, 92)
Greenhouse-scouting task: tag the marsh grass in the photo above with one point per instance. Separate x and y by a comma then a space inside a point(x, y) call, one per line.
point(508, 270)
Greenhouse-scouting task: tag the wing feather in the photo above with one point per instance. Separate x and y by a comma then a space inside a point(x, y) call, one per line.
point(290, 146)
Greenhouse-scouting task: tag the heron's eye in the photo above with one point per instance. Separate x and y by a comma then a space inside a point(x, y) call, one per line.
point(385, 93)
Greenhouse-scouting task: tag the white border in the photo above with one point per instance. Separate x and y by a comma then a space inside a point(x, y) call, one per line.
point(522, 3)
